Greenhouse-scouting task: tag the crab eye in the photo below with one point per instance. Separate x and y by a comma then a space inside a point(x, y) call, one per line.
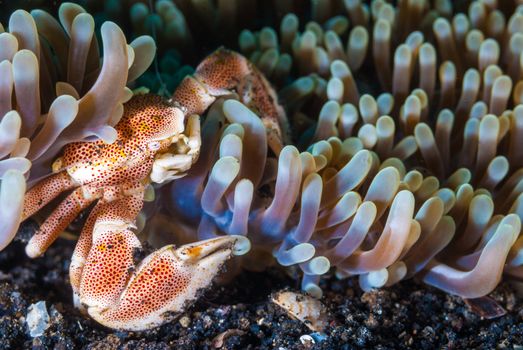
point(154, 146)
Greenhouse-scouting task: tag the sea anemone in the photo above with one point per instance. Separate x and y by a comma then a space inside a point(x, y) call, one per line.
point(406, 123)
point(411, 156)
point(55, 89)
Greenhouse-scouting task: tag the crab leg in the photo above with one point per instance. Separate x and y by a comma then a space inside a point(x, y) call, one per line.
point(45, 191)
point(111, 258)
point(120, 293)
point(82, 249)
point(224, 72)
point(121, 203)
point(60, 218)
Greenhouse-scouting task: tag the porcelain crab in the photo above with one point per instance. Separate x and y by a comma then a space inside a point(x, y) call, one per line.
point(158, 141)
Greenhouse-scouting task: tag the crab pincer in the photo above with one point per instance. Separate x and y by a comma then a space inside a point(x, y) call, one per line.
point(160, 287)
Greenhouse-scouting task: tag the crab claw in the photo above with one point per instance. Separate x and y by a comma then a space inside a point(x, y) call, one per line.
point(165, 282)
point(224, 72)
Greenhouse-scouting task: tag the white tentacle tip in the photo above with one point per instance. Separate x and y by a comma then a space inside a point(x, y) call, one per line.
point(32, 251)
point(242, 246)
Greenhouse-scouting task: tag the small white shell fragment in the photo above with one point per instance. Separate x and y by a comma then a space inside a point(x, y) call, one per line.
point(307, 340)
point(37, 319)
point(302, 307)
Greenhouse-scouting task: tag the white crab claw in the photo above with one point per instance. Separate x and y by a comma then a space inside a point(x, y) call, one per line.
point(166, 281)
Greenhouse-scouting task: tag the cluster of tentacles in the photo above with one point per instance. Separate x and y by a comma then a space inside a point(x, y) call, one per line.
point(407, 123)
point(423, 180)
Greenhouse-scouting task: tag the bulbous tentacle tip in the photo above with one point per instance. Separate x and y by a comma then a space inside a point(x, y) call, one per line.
point(32, 251)
point(242, 245)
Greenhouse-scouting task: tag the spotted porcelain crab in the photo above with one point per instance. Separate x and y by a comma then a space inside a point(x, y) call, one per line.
point(158, 141)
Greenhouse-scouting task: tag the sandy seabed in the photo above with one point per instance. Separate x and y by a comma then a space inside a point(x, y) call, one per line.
point(240, 315)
